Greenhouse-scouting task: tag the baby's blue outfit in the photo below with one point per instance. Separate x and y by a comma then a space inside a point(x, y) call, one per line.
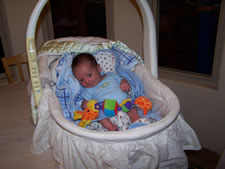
point(108, 88)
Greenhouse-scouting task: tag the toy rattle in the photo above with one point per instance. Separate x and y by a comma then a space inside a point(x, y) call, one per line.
point(86, 116)
point(110, 108)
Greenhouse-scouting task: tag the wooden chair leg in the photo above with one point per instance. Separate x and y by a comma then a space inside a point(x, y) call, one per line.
point(7, 71)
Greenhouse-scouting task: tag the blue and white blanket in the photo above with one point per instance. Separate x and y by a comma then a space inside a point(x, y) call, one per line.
point(68, 88)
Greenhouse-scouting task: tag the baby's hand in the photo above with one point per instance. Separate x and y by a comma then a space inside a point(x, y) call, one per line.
point(84, 104)
point(108, 124)
point(124, 85)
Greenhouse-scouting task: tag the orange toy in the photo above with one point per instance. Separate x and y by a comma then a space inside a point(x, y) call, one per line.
point(86, 116)
point(143, 103)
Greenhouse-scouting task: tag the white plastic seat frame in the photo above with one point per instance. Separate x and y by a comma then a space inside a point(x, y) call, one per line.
point(150, 59)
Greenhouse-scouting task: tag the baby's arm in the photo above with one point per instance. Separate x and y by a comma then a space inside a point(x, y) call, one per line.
point(124, 85)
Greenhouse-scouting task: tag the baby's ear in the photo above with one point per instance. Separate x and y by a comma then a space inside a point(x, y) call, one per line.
point(99, 68)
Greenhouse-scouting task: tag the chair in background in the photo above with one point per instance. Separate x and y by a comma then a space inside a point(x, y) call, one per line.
point(17, 61)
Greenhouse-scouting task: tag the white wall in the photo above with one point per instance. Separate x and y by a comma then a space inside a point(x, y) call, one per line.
point(128, 24)
point(18, 14)
point(204, 109)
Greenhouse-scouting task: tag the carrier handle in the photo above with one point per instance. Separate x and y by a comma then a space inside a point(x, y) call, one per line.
point(32, 52)
point(150, 52)
point(149, 37)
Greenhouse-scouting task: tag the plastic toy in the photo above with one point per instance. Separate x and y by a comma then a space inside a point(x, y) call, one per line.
point(126, 105)
point(86, 116)
point(110, 108)
point(143, 103)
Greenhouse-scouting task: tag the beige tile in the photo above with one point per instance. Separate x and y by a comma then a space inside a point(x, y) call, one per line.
point(16, 131)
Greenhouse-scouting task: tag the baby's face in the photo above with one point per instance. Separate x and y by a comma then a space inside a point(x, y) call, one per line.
point(88, 75)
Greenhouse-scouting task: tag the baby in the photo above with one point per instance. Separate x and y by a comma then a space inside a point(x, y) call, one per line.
point(100, 87)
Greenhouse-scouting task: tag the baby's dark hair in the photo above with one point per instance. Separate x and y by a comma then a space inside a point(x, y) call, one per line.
point(84, 57)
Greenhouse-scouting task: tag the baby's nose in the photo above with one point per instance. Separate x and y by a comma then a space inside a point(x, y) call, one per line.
point(87, 80)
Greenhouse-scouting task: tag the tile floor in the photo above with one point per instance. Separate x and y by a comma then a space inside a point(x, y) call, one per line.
point(16, 131)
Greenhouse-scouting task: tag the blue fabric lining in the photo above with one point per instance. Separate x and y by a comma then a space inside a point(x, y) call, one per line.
point(68, 88)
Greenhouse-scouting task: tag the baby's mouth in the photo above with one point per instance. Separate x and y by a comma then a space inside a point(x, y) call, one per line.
point(92, 84)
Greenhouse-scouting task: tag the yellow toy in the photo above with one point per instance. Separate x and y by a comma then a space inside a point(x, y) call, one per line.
point(86, 116)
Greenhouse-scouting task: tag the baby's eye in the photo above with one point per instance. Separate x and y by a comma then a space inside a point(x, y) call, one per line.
point(81, 80)
point(90, 74)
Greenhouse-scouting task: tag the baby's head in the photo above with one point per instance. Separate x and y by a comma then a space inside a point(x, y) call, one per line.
point(86, 70)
